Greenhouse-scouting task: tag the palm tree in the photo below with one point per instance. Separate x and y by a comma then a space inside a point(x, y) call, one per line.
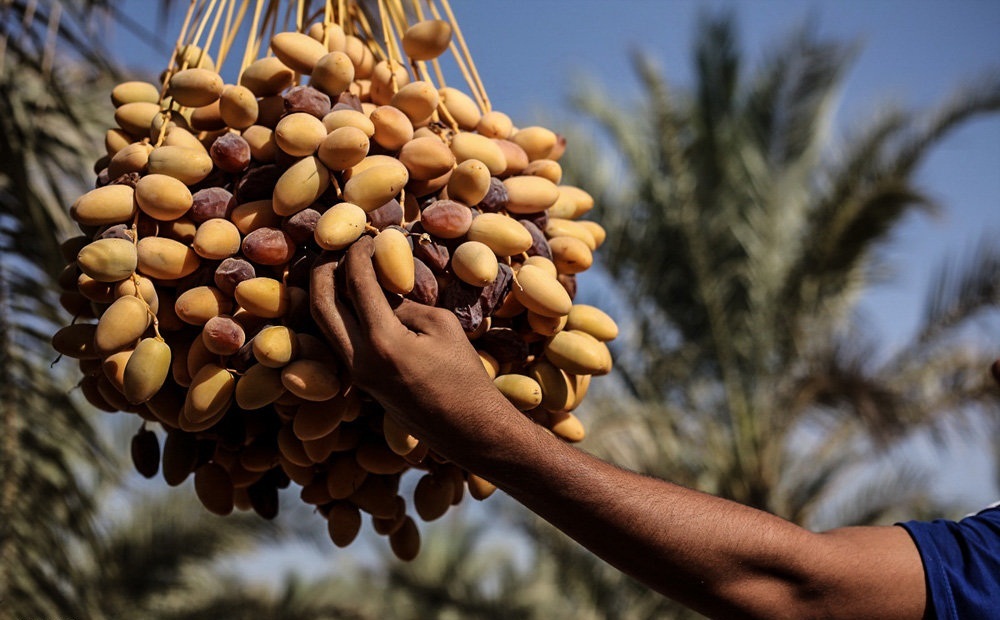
point(747, 241)
point(50, 454)
point(59, 555)
point(45, 502)
point(740, 237)
point(161, 560)
point(462, 574)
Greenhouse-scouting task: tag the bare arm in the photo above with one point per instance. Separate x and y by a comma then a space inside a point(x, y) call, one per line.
point(716, 556)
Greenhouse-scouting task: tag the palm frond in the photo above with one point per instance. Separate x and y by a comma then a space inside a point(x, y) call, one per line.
point(717, 67)
point(843, 380)
point(44, 148)
point(295, 600)
point(743, 239)
point(977, 97)
point(857, 212)
point(889, 493)
point(961, 288)
point(459, 573)
point(155, 555)
point(50, 453)
point(849, 239)
point(787, 103)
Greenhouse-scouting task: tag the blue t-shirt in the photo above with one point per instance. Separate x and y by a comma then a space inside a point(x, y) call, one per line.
point(962, 564)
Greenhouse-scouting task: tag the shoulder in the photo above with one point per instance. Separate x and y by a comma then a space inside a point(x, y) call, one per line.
point(961, 562)
point(993, 509)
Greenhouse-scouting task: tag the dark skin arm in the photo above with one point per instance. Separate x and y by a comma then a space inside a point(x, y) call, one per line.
point(718, 557)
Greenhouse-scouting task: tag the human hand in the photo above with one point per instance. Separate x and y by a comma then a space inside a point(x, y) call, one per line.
point(414, 359)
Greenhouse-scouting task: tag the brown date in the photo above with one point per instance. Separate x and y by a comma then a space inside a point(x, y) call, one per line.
point(230, 152)
point(425, 284)
point(446, 219)
point(307, 99)
point(231, 272)
point(301, 226)
point(389, 214)
point(268, 246)
point(496, 198)
point(210, 203)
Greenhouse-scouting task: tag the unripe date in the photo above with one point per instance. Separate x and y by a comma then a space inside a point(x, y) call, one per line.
point(108, 260)
point(426, 158)
point(504, 235)
point(275, 346)
point(216, 239)
point(474, 263)
point(299, 134)
point(340, 226)
point(197, 305)
point(393, 261)
point(263, 297)
point(373, 187)
point(343, 148)
point(146, 370)
point(210, 392)
point(311, 380)
point(112, 204)
point(300, 186)
point(165, 259)
point(427, 39)
point(541, 293)
point(122, 324)
point(469, 182)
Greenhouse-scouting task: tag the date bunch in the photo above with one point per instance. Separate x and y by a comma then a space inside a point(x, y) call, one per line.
point(189, 281)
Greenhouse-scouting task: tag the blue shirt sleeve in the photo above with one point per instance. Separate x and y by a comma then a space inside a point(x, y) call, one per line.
point(962, 564)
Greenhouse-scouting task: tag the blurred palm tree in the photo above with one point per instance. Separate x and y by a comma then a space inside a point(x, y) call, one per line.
point(160, 554)
point(460, 573)
point(50, 455)
point(740, 238)
point(743, 239)
point(60, 557)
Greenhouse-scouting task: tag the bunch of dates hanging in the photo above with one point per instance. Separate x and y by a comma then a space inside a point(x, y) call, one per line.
point(189, 282)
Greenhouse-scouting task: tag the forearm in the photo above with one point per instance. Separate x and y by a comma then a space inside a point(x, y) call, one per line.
point(716, 556)
point(719, 557)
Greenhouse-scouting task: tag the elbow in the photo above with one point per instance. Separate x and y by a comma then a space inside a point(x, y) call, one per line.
point(847, 573)
point(775, 597)
point(798, 581)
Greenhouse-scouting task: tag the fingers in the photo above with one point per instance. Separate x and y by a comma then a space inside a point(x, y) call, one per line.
point(374, 313)
point(423, 319)
point(335, 320)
